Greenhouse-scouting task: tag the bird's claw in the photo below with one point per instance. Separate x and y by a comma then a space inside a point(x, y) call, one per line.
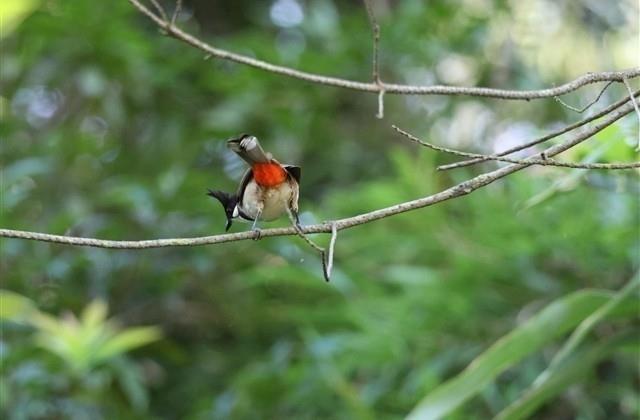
point(257, 234)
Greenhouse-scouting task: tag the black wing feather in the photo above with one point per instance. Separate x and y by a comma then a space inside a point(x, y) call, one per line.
point(294, 171)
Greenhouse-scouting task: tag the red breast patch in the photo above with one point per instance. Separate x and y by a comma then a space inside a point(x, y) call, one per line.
point(268, 174)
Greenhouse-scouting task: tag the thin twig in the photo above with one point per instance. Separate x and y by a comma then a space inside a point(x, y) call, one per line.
point(544, 138)
point(587, 106)
point(531, 161)
point(399, 89)
point(160, 9)
point(375, 29)
point(635, 106)
point(301, 234)
point(455, 191)
point(176, 12)
point(323, 254)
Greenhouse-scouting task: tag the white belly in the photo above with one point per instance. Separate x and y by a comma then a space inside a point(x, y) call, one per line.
point(276, 200)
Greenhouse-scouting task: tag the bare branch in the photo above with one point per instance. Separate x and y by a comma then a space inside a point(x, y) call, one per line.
point(176, 12)
point(589, 78)
point(530, 161)
point(632, 96)
point(587, 106)
point(544, 138)
point(375, 28)
point(458, 190)
point(160, 10)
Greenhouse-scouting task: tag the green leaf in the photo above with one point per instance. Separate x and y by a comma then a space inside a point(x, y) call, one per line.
point(130, 379)
point(47, 323)
point(587, 325)
point(556, 319)
point(565, 375)
point(15, 307)
point(94, 314)
point(128, 340)
point(13, 12)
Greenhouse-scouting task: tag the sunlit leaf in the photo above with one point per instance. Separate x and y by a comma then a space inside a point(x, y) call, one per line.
point(128, 340)
point(12, 12)
point(15, 307)
point(94, 314)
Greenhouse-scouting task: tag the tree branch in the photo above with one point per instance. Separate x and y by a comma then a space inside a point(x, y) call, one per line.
point(589, 78)
point(542, 162)
point(375, 29)
point(546, 137)
point(458, 190)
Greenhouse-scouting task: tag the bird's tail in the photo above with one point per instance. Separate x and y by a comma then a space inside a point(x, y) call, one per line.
point(228, 202)
point(248, 148)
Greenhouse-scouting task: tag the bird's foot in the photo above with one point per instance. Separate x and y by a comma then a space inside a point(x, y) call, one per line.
point(257, 233)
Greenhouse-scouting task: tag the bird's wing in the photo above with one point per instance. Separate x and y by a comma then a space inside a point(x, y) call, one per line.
point(243, 184)
point(294, 171)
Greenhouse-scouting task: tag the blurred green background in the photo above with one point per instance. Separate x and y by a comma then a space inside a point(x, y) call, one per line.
point(112, 130)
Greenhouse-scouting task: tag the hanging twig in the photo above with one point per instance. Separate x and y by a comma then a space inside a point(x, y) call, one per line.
point(328, 266)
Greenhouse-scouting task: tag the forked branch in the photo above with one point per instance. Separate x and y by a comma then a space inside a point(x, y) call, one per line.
point(549, 136)
point(172, 30)
point(529, 161)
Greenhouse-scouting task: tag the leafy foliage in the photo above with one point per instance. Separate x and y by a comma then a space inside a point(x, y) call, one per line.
point(89, 355)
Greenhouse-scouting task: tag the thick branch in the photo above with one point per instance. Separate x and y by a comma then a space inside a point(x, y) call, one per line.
point(459, 190)
point(589, 78)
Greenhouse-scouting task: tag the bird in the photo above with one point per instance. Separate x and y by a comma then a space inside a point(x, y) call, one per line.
point(267, 190)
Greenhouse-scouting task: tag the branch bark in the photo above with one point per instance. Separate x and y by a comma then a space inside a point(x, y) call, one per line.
point(458, 190)
point(392, 88)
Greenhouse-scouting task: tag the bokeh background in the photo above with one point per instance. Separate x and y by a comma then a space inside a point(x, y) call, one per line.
point(112, 130)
